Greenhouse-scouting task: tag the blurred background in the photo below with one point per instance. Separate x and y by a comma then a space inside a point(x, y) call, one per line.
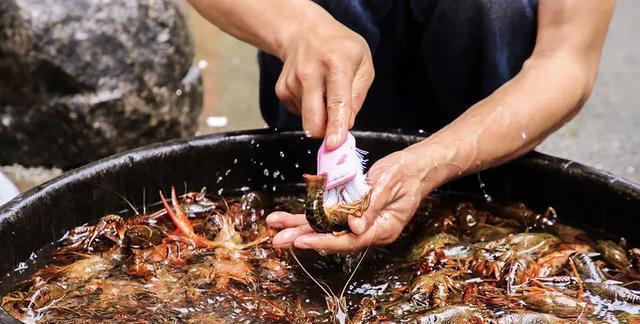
point(606, 134)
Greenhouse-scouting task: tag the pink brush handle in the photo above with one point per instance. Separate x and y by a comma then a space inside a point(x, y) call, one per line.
point(340, 165)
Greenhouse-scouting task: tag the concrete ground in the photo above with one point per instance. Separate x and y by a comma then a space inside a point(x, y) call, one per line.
point(606, 134)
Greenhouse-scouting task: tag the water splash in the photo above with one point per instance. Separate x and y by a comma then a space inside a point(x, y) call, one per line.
point(486, 195)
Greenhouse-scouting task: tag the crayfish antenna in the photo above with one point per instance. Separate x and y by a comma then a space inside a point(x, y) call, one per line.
point(126, 201)
point(346, 284)
point(326, 291)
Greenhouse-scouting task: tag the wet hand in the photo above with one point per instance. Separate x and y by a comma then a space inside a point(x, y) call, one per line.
point(327, 72)
point(398, 182)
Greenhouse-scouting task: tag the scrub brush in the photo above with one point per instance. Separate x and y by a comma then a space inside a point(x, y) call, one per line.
point(344, 168)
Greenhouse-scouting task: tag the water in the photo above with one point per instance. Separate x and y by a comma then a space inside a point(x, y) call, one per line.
point(483, 189)
point(259, 284)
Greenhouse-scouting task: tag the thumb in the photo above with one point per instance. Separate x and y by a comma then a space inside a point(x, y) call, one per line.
point(378, 199)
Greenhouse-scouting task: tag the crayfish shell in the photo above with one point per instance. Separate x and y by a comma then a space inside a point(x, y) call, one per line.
point(333, 219)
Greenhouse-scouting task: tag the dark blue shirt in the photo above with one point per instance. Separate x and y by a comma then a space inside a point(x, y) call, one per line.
point(433, 58)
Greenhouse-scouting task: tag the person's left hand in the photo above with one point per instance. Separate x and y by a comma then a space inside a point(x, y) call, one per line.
point(399, 182)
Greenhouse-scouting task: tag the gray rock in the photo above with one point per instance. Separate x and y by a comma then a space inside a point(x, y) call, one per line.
point(83, 79)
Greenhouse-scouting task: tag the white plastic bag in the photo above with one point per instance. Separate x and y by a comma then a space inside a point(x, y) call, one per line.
point(7, 189)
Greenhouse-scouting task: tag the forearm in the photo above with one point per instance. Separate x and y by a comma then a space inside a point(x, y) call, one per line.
point(551, 87)
point(510, 122)
point(266, 24)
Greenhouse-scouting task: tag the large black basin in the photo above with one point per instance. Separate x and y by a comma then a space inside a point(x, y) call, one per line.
point(581, 195)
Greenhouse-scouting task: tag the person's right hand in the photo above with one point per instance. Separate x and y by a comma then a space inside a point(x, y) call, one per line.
point(327, 72)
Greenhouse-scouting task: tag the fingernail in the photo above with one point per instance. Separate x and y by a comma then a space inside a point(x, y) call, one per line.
point(360, 226)
point(277, 241)
point(333, 141)
point(284, 238)
point(273, 220)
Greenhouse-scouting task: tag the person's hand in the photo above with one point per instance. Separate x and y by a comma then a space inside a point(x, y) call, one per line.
point(326, 75)
point(399, 182)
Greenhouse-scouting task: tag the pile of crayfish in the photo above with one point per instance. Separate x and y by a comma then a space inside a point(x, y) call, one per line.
point(205, 259)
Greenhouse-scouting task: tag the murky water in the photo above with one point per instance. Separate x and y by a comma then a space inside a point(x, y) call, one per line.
point(461, 259)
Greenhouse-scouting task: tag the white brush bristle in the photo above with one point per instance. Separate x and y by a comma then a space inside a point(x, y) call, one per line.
point(351, 191)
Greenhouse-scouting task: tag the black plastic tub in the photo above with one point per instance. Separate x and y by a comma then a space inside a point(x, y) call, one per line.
point(274, 161)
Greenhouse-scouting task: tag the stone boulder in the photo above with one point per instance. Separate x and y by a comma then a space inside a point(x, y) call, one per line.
point(83, 79)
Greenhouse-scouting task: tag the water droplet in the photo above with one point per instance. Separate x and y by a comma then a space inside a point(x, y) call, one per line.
point(309, 152)
point(296, 165)
point(523, 135)
point(275, 129)
point(421, 131)
point(179, 92)
point(244, 188)
point(202, 64)
point(258, 145)
point(273, 188)
point(21, 266)
point(33, 256)
point(227, 172)
point(307, 133)
point(266, 172)
point(220, 191)
point(252, 141)
point(216, 121)
point(6, 121)
point(235, 161)
point(261, 163)
point(219, 179)
point(281, 154)
point(276, 173)
point(487, 197)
